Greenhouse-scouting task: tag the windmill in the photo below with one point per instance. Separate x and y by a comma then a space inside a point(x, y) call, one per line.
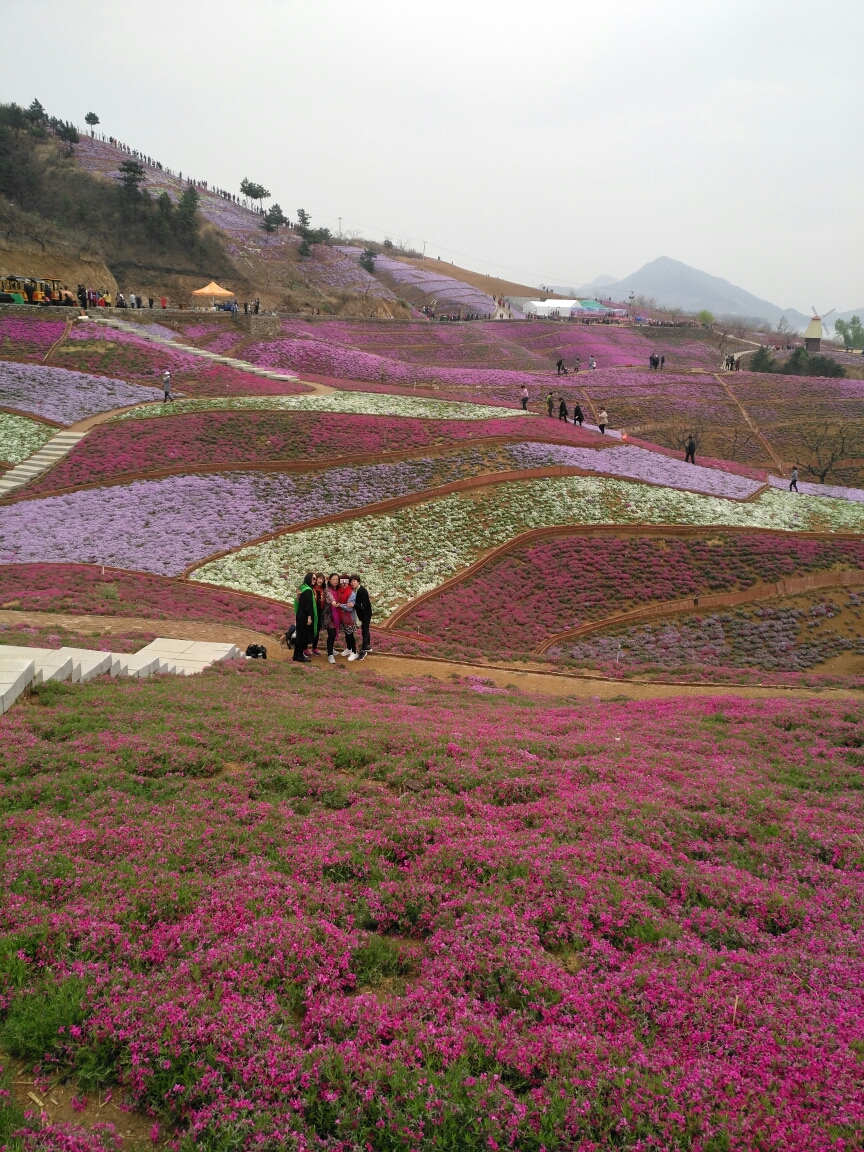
point(813, 335)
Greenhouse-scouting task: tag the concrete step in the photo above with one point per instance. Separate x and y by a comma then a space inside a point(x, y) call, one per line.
point(15, 675)
point(49, 663)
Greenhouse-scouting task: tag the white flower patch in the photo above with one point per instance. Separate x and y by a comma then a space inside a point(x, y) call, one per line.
point(351, 403)
point(406, 553)
point(20, 437)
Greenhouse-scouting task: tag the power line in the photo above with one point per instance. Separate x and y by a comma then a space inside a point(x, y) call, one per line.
point(442, 247)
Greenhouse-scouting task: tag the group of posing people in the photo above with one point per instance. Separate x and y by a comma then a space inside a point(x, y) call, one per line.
point(562, 368)
point(578, 414)
point(330, 604)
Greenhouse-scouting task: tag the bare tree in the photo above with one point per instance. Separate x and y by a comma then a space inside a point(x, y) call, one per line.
point(823, 445)
point(676, 433)
point(739, 444)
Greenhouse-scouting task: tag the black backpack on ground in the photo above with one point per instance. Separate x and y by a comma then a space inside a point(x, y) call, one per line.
point(256, 652)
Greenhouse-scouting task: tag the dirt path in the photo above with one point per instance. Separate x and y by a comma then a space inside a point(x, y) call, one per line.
point(547, 683)
point(750, 424)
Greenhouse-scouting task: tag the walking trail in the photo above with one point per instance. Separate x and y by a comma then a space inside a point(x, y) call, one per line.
point(532, 680)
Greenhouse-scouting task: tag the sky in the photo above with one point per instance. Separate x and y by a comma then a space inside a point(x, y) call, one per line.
point(543, 142)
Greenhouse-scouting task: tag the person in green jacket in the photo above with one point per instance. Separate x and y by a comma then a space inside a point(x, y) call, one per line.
point(305, 619)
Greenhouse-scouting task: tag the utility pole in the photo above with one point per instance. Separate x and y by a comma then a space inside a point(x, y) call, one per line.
point(340, 227)
point(424, 253)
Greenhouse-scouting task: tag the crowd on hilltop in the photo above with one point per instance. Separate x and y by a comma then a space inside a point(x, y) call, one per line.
point(101, 298)
point(330, 604)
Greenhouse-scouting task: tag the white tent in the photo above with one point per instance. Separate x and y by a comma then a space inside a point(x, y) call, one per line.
point(563, 309)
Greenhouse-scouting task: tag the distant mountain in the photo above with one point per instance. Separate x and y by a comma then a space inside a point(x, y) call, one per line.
point(587, 291)
point(676, 285)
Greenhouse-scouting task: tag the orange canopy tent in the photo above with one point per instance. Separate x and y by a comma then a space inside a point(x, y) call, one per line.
point(213, 291)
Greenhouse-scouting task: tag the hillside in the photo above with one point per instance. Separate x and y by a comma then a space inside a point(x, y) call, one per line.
point(676, 285)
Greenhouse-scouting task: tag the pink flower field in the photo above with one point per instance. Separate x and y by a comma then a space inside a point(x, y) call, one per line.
point(274, 908)
point(85, 589)
point(560, 583)
point(134, 446)
point(29, 337)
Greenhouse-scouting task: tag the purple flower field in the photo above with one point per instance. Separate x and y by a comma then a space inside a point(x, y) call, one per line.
point(163, 526)
point(63, 395)
point(639, 464)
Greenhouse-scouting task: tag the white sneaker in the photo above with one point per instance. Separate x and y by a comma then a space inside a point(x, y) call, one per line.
point(331, 659)
point(353, 656)
point(347, 652)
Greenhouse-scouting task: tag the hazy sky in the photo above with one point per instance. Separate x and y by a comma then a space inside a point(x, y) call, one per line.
point(544, 141)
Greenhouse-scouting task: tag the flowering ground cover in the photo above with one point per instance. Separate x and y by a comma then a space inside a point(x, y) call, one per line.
point(20, 437)
point(405, 553)
point(223, 380)
point(559, 583)
point(790, 636)
point(165, 525)
point(85, 588)
point(29, 337)
point(64, 396)
point(112, 592)
point(114, 352)
point(274, 910)
point(117, 449)
point(352, 403)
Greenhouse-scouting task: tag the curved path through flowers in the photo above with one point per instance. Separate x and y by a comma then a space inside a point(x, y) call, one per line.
point(406, 667)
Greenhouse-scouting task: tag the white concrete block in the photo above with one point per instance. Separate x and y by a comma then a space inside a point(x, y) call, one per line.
point(50, 664)
point(87, 663)
point(15, 675)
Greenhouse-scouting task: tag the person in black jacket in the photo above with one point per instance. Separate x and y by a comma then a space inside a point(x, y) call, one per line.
point(306, 618)
point(363, 608)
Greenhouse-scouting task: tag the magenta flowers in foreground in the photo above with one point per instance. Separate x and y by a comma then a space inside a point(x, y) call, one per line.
point(330, 918)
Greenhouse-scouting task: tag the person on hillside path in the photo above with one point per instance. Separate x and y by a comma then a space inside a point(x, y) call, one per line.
point(306, 617)
point(559, 365)
point(164, 302)
point(562, 409)
point(166, 387)
point(550, 405)
point(592, 363)
point(662, 362)
point(793, 481)
point(690, 451)
point(578, 415)
point(602, 420)
point(363, 611)
point(523, 396)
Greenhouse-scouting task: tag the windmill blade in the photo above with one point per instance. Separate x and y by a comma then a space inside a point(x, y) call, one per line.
point(827, 314)
point(815, 313)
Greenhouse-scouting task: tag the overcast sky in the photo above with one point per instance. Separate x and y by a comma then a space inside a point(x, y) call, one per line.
point(547, 142)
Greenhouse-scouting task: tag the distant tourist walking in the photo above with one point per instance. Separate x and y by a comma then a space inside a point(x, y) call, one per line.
point(592, 363)
point(578, 416)
point(562, 409)
point(523, 396)
point(164, 302)
point(550, 405)
point(560, 365)
point(166, 386)
point(793, 481)
point(662, 362)
point(690, 451)
point(602, 420)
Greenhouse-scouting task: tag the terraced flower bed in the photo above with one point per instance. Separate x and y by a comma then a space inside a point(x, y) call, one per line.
point(350, 403)
point(29, 337)
point(559, 583)
point(64, 396)
point(411, 551)
point(431, 917)
point(165, 525)
point(114, 352)
point(85, 588)
point(789, 636)
point(222, 380)
point(20, 437)
point(133, 446)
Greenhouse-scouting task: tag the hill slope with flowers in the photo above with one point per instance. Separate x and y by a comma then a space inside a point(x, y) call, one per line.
point(349, 906)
